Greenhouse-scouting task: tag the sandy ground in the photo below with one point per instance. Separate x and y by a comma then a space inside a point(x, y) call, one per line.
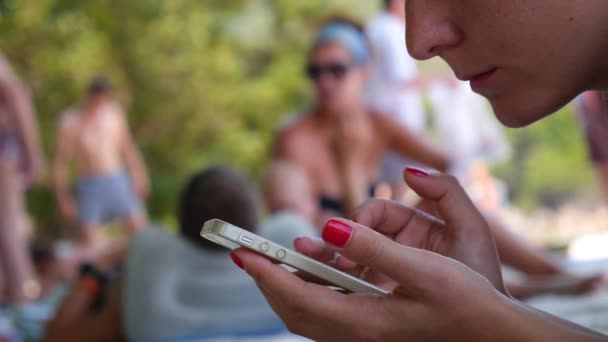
point(589, 310)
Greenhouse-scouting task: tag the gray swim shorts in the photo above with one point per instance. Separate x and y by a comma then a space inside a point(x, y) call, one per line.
point(102, 199)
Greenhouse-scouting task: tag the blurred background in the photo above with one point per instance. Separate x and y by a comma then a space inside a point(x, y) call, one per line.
point(211, 82)
point(208, 81)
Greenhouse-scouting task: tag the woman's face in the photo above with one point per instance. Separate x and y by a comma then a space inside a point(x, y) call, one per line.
point(338, 82)
point(527, 57)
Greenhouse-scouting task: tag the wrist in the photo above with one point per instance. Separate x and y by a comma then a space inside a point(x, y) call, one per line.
point(496, 319)
point(513, 320)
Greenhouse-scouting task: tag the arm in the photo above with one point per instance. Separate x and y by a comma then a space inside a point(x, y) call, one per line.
point(21, 106)
point(63, 154)
point(74, 321)
point(411, 145)
point(524, 323)
point(282, 146)
point(133, 160)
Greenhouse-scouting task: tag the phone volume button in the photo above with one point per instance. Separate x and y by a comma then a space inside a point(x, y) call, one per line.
point(264, 247)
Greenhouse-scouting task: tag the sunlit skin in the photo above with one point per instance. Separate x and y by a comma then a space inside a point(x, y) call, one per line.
point(536, 55)
point(348, 139)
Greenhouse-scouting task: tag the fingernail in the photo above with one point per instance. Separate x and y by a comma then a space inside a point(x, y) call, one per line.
point(237, 260)
point(416, 172)
point(336, 233)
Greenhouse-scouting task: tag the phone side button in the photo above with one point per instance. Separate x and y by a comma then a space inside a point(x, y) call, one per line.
point(264, 247)
point(281, 254)
point(246, 240)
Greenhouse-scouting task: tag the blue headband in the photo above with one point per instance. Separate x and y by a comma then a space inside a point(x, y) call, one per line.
point(346, 35)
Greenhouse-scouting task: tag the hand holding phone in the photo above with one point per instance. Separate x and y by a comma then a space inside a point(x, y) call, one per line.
point(233, 237)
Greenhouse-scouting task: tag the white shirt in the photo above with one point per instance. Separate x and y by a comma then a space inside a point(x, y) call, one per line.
point(391, 69)
point(467, 128)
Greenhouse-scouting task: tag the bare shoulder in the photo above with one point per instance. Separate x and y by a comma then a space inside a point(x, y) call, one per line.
point(117, 115)
point(115, 110)
point(68, 119)
point(115, 107)
point(292, 136)
point(380, 120)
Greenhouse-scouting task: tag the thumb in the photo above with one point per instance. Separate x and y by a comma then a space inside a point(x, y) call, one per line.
point(406, 265)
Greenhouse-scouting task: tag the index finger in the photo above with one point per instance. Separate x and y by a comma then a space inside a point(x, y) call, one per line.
point(390, 217)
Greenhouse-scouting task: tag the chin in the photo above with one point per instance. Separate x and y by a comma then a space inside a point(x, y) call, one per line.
point(510, 118)
point(518, 113)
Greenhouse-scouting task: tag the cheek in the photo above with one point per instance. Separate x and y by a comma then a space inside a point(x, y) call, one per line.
point(353, 87)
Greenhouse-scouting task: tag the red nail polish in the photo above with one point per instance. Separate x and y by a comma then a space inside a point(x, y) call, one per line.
point(236, 260)
point(337, 233)
point(416, 172)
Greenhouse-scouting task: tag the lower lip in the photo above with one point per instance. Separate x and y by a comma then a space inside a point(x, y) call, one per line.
point(482, 80)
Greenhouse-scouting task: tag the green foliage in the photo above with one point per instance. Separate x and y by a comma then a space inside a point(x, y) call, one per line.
point(208, 82)
point(204, 81)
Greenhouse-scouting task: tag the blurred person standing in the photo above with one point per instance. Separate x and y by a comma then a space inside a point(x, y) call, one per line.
point(96, 135)
point(21, 162)
point(394, 84)
point(592, 117)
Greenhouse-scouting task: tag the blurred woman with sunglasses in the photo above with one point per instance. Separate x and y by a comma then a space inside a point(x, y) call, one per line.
point(340, 142)
point(528, 58)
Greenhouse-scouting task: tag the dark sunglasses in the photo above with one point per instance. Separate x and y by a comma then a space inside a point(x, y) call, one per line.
point(336, 70)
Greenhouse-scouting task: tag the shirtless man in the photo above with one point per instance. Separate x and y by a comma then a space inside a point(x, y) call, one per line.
point(21, 162)
point(97, 137)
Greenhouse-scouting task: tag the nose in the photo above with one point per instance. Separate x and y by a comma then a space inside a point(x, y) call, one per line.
point(431, 28)
point(325, 82)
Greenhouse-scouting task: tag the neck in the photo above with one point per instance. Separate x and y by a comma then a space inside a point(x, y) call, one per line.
point(325, 116)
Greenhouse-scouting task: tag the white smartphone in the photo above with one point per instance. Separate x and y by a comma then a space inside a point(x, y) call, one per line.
point(232, 237)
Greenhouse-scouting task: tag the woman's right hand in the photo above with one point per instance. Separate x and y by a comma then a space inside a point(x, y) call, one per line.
point(461, 233)
point(437, 298)
point(433, 295)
